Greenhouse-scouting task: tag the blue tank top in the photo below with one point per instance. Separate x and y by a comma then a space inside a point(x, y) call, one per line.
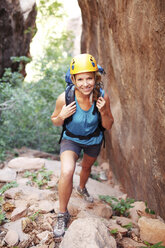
point(84, 123)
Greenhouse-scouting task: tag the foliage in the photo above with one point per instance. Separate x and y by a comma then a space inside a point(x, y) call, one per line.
point(95, 176)
point(2, 153)
point(20, 59)
point(13, 78)
point(157, 245)
point(34, 216)
point(8, 186)
point(96, 163)
point(128, 226)
point(120, 207)
point(26, 108)
point(29, 124)
point(2, 214)
point(40, 177)
point(50, 8)
point(114, 231)
point(148, 210)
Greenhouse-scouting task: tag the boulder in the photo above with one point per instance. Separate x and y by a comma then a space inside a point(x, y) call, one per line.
point(25, 163)
point(103, 211)
point(137, 206)
point(152, 230)
point(18, 213)
point(16, 225)
point(44, 236)
point(29, 194)
point(129, 243)
point(44, 206)
point(123, 221)
point(7, 175)
point(88, 232)
point(112, 225)
point(11, 238)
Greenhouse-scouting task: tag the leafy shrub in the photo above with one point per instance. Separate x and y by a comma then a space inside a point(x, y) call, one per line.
point(157, 245)
point(148, 210)
point(120, 207)
point(8, 186)
point(40, 177)
point(2, 190)
point(2, 214)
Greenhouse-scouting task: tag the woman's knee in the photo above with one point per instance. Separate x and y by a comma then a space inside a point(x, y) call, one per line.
point(86, 168)
point(88, 161)
point(67, 174)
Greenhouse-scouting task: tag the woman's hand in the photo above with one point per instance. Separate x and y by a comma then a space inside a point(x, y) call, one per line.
point(101, 105)
point(67, 110)
point(61, 111)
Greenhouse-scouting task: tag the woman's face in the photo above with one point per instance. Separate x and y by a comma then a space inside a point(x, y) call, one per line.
point(85, 82)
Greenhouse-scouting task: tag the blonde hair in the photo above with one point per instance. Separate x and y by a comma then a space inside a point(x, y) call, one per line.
point(98, 85)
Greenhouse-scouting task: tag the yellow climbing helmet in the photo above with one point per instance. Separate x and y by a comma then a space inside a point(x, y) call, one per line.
point(83, 63)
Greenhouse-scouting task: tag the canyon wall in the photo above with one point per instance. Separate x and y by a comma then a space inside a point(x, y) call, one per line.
point(128, 39)
point(17, 26)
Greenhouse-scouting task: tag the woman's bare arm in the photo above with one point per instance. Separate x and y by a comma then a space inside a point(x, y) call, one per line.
point(61, 111)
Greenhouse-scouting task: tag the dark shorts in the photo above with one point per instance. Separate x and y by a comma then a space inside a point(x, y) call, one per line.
point(69, 145)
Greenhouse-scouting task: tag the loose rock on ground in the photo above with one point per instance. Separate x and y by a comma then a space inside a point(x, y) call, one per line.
point(31, 212)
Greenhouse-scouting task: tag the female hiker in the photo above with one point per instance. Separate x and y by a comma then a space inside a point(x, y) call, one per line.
point(89, 114)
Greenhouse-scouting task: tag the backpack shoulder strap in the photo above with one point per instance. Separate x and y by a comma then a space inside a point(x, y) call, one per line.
point(69, 97)
point(69, 93)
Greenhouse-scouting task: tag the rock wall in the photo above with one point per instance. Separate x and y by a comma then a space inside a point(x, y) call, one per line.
point(128, 40)
point(17, 23)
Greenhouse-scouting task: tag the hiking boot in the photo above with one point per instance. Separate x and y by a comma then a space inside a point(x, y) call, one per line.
point(84, 192)
point(60, 227)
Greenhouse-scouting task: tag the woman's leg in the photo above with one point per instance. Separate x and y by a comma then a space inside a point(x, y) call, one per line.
point(68, 163)
point(86, 164)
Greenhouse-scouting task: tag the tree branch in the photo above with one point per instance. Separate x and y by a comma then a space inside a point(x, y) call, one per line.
point(7, 105)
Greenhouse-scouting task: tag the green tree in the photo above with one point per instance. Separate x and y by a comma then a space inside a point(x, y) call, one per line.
point(26, 107)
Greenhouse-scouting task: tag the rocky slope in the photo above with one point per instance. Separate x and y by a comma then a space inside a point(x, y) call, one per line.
point(128, 39)
point(32, 205)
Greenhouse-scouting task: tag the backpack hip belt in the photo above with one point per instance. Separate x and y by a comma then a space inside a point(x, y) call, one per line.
point(81, 137)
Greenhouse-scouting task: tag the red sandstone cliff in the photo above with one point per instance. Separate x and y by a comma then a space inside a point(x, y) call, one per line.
point(128, 39)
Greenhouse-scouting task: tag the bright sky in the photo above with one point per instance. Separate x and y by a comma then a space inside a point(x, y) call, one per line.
point(72, 10)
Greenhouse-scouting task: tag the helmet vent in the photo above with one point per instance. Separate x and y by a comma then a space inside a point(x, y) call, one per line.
point(91, 59)
point(73, 64)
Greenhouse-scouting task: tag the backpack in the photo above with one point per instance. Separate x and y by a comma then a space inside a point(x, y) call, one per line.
point(70, 97)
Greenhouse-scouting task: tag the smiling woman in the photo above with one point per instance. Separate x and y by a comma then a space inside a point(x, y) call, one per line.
point(82, 132)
